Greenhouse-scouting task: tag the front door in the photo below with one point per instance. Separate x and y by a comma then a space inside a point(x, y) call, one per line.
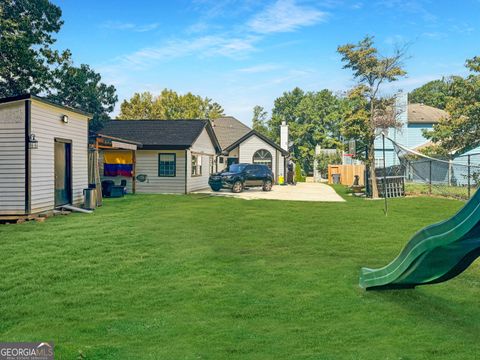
point(63, 172)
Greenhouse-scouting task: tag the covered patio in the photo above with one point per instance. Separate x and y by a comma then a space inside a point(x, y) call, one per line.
point(113, 159)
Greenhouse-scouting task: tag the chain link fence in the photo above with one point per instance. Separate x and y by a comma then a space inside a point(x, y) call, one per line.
point(457, 178)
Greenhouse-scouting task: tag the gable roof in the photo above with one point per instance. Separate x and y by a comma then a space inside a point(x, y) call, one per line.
point(160, 134)
point(424, 114)
point(228, 130)
point(261, 136)
point(45, 101)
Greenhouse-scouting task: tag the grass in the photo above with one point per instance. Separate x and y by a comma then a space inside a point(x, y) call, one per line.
point(194, 277)
point(457, 192)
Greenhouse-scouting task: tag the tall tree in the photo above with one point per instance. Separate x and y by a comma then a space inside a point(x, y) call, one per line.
point(313, 119)
point(169, 105)
point(461, 130)
point(372, 70)
point(81, 87)
point(26, 39)
point(140, 106)
point(434, 93)
point(259, 120)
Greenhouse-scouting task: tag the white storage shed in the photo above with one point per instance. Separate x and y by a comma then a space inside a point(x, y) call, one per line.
point(43, 155)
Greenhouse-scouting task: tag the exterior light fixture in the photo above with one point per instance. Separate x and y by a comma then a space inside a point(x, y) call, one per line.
point(32, 142)
point(65, 119)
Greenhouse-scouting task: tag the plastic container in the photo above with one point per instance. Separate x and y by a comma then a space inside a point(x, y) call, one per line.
point(336, 178)
point(90, 198)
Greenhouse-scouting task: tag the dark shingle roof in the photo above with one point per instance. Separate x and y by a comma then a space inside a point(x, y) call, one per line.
point(158, 134)
point(228, 130)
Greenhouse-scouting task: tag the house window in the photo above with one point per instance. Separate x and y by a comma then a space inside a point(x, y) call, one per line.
point(220, 159)
point(196, 165)
point(263, 157)
point(167, 165)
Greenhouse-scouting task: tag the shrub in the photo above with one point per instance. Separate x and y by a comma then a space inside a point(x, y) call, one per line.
point(299, 177)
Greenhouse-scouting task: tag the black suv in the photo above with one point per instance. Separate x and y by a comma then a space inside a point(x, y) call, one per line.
point(242, 176)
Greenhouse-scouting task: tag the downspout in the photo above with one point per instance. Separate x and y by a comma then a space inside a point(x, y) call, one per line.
point(186, 164)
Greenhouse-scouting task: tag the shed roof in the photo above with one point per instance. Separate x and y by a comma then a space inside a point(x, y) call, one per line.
point(424, 114)
point(45, 101)
point(160, 134)
point(228, 130)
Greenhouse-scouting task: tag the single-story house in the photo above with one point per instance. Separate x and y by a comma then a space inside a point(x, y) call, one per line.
point(240, 144)
point(173, 156)
point(43, 155)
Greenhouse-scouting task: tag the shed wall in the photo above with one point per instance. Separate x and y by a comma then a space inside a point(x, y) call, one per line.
point(47, 125)
point(12, 158)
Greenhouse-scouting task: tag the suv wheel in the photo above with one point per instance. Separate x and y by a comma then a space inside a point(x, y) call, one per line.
point(237, 187)
point(216, 187)
point(267, 185)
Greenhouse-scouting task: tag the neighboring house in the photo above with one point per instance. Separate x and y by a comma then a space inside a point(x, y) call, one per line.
point(415, 118)
point(43, 155)
point(175, 156)
point(240, 144)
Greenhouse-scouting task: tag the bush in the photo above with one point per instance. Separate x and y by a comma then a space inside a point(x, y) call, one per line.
point(299, 177)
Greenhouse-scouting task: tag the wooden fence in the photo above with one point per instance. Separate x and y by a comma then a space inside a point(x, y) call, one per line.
point(347, 174)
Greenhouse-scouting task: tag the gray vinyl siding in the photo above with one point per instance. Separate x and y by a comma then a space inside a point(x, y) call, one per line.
point(116, 179)
point(204, 148)
point(147, 164)
point(12, 158)
point(47, 125)
point(200, 182)
point(252, 145)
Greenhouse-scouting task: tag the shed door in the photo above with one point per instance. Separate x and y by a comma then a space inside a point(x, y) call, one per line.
point(63, 173)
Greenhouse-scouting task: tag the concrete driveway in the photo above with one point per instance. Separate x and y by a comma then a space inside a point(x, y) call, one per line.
point(299, 192)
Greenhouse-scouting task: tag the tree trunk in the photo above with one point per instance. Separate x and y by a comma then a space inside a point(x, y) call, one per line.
point(371, 153)
point(373, 176)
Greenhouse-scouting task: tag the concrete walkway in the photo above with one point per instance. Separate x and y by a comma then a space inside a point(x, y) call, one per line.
point(299, 192)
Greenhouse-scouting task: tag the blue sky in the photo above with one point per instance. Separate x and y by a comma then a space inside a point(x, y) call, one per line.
point(246, 53)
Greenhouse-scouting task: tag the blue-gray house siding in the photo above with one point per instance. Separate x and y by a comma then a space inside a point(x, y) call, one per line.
point(410, 134)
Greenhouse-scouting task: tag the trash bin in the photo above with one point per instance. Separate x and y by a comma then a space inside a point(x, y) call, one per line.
point(336, 178)
point(90, 198)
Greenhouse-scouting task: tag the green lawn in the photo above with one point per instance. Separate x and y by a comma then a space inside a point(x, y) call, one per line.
point(456, 192)
point(195, 277)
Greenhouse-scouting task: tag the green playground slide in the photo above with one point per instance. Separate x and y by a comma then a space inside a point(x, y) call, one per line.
point(435, 254)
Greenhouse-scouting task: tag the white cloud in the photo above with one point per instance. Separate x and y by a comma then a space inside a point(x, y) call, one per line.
point(115, 25)
point(285, 16)
point(202, 47)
